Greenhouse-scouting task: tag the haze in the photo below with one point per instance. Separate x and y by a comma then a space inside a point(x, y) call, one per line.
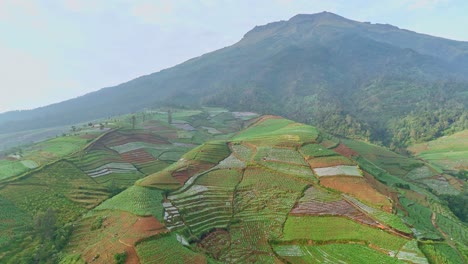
point(56, 50)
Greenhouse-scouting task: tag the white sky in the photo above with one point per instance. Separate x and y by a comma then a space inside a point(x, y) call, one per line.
point(53, 50)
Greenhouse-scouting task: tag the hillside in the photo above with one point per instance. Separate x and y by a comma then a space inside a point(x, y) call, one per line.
point(282, 192)
point(351, 78)
point(199, 189)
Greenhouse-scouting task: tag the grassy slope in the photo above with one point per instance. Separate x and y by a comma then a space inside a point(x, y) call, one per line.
point(449, 152)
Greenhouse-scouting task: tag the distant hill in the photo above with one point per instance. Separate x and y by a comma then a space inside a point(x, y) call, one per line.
point(357, 79)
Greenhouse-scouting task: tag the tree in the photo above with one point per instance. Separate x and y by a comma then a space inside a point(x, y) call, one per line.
point(169, 116)
point(133, 121)
point(45, 224)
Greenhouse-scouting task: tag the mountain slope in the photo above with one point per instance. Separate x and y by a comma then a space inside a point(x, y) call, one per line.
point(349, 77)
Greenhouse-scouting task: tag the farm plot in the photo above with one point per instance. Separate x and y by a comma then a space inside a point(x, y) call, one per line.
point(455, 229)
point(449, 152)
point(296, 171)
point(152, 167)
point(30, 164)
point(338, 170)
point(210, 152)
point(317, 202)
point(357, 187)
point(53, 149)
point(419, 218)
point(137, 156)
point(100, 237)
point(329, 161)
point(123, 137)
point(419, 173)
point(216, 243)
point(284, 155)
point(440, 253)
point(242, 152)
point(206, 207)
point(167, 250)
point(137, 200)
point(332, 254)
point(55, 187)
point(95, 158)
point(440, 185)
point(249, 243)
point(275, 131)
point(383, 217)
point(231, 162)
point(9, 168)
point(139, 145)
point(339, 229)
point(316, 150)
point(12, 222)
point(391, 162)
point(266, 196)
point(410, 252)
point(111, 168)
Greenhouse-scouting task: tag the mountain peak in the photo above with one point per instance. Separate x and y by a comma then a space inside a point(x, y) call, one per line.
point(299, 18)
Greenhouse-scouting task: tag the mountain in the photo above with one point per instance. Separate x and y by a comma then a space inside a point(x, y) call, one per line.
point(351, 78)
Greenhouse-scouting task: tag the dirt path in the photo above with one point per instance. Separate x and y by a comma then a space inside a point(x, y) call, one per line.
point(132, 256)
point(447, 238)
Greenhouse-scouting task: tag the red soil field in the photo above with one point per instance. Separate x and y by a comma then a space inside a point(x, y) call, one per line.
point(137, 156)
point(182, 175)
point(118, 233)
point(345, 151)
point(357, 187)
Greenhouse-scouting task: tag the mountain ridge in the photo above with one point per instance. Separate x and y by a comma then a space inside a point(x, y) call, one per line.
point(322, 62)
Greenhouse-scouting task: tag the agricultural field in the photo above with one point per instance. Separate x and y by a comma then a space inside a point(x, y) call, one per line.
point(100, 237)
point(137, 200)
point(447, 153)
point(198, 190)
point(327, 228)
point(385, 159)
point(167, 249)
point(333, 253)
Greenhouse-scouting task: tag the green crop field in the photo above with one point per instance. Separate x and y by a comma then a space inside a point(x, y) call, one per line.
point(316, 150)
point(9, 168)
point(341, 229)
point(440, 253)
point(391, 162)
point(333, 253)
point(167, 249)
point(449, 152)
point(55, 148)
point(136, 200)
point(419, 217)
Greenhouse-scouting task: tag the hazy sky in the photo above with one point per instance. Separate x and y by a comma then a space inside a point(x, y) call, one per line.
point(59, 49)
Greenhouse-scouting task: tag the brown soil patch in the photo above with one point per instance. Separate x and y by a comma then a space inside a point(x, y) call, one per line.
point(215, 242)
point(322, 162)
point(345, 151)
point(182, 175)
point(357, 187)
point(119, 232)
point(137, 156)
point(88, 136)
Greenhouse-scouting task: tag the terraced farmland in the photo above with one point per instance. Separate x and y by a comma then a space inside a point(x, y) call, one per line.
point(99, 237)
point(333, 253)
point(339, 229)
point(276, 192)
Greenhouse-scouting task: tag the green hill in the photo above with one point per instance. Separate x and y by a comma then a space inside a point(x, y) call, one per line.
point(274, 192)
